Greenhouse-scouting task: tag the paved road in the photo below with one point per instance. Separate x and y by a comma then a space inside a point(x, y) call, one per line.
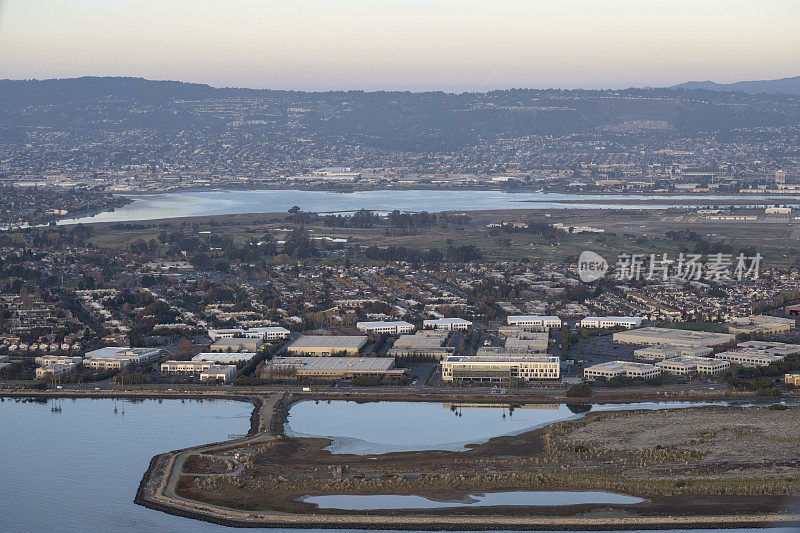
point(263, 435)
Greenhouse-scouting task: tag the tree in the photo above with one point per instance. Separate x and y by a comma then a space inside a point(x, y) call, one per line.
point(579, 390)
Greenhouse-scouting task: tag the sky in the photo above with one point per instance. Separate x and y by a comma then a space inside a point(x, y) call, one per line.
point(452, 45)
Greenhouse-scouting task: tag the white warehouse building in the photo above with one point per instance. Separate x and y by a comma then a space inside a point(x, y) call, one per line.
point(534, 322)
point(449, 324)
point(392, 328)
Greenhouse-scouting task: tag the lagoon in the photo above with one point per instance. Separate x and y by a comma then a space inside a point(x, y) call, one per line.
point(381, 427)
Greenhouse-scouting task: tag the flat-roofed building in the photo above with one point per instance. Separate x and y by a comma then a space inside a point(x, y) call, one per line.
point(236, 345)
point(661, 352)
point(527, 341)
point(761, 324)
point(327, 345)
point(222, 358)
point(44, 360)
point(533, 322)
point(449, 324)
point(55, 369)
point(792, 379)
point(500, 368)
point(219, 373)
point(682, 366)
point(427, 343)
point(118, 357)
point(185, 367)
point(772, 348)
point(675, 337)
point(621, 368)
point(266, 333)
point(749, 357)
point(397, 327)
point(611, 322)
point(333, 368)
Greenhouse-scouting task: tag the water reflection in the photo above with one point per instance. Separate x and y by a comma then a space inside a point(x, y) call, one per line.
point(382, 427)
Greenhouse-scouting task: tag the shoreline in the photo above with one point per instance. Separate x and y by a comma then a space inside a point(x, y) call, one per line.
point(156, 491)
point(157, 486)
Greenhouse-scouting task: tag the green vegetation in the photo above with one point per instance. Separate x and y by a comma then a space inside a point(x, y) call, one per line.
point(580, 390)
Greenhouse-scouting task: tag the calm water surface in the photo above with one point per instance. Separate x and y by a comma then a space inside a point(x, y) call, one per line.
point(225, 202)
point(382, 427)
point(354, 502)
point(77, 470)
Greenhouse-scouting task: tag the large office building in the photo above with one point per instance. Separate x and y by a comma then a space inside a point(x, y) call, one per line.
point(449, 324)
point(628, 369)
point(327, 345)
point(334, 368)
point(206, 370)
point(683, 366)
point(749, 357)
point(117, 358)
point(674, 337)
point(660, 352)
point(268, 333)
point(611, 322)
point(761, 325)
point(500, 368)
point(533, 322)
point(392, 328)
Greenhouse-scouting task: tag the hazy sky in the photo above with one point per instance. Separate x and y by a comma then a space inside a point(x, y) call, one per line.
point(403, 44)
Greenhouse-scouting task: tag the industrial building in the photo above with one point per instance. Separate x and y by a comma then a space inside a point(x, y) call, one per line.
point(611, 322)
point(392, 328)
point(621, 368)
point(268, 333)
point(749, 357)
point(761, 324)
point(660, 352)
point(674, 337)
point(683, 366)
point(222, 358)
point(426, 343)
point(236, 344)
point(527, 341)
point(533, 322)
point(449, 324)
point(327, 345)
point(334, 368)
point(499, 368)
point(117, 358)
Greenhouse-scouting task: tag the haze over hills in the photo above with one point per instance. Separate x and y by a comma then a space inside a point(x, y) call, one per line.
point(106, 125)
point(783, 85)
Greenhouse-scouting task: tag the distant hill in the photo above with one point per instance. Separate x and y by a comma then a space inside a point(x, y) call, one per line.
point(783, 86)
